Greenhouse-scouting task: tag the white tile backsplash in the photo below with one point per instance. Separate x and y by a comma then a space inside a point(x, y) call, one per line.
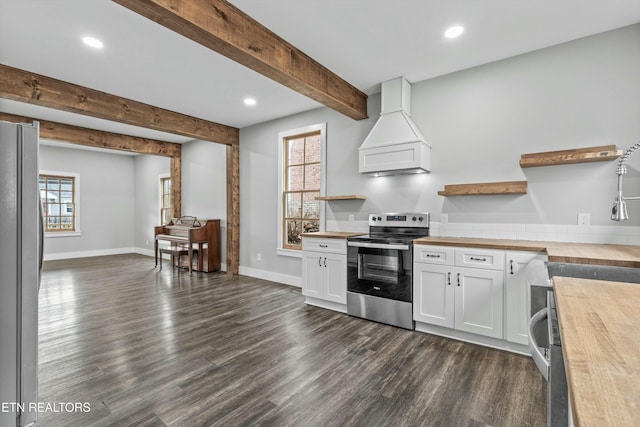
point(612, 234)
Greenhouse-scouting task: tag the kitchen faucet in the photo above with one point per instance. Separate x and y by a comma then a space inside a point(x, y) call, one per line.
point(619, 211)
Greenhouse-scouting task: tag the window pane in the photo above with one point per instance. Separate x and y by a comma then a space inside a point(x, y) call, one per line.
point(311, 226)
point(166, 201)
point(66, 197)
point(295, 178)
point(52, 223)
point(166, 216)
point(293, 229)
point(310, 206)
point(312, 177)
point(166, 185)
point(68, 210)
point(53, 184)
point(312, 149)
point(54, 209)
point(66, 184)
point(293, 207)
point(295, 151)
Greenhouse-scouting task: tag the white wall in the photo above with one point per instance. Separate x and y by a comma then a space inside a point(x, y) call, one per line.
point(120, 196)
point(148, 170)
point(204, 184)
point(106, 202)
point(479, 121)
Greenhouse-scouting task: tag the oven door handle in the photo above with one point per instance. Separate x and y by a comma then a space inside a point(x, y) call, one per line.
point(378, 245)
point(540, 360)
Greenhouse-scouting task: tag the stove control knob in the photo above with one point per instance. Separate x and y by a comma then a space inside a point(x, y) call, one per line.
point(379, 219)
point(420, 219)
point(414, 218)
point(373, 218)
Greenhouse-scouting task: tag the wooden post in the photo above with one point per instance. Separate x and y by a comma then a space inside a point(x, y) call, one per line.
point(176, 185)
point(233, 209)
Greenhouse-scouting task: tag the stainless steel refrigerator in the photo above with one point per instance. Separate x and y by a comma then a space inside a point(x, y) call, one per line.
point(20, 267)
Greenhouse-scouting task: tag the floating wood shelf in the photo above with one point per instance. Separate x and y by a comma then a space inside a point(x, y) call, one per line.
point(485, 189)
point(564, 157)
point(349, 197)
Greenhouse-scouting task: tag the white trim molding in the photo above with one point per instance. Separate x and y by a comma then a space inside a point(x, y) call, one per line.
point(322, 127)
point(76, 204)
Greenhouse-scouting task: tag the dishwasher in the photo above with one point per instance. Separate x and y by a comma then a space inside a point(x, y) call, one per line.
point(545, 344)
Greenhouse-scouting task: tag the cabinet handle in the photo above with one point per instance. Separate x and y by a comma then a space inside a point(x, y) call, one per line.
point(477, 259)
point(449, 278)
point(458, 279)
point(511, 267)
point(433, 256)
point(319, 261)
point(325, 261)
point(324, 246)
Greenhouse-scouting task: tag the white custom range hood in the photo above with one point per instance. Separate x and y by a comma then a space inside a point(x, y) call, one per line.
point(395, 145)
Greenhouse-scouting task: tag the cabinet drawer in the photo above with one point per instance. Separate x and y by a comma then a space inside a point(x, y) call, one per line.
point(433, 254)
point(337, 246)
point(480, 258)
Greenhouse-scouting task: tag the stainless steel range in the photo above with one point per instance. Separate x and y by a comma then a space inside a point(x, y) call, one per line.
point(380, 268)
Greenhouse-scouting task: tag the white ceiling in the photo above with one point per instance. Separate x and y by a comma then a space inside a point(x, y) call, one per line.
point(364, 41)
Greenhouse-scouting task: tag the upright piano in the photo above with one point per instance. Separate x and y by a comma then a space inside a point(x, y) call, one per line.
point(188, 231)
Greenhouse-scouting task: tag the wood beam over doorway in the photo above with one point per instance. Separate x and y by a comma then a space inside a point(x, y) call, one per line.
point(112, 141)
point(24, 86)
point(97, 138)
point(225, 29)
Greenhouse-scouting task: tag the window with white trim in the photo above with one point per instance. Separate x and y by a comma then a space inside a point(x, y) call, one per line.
point(166, 204)
point(302, 179)
point(59, 197)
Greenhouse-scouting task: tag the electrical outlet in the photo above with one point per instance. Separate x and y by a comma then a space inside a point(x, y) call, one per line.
point(259, 256)
point(444, 218)
point(584, 219)
point(352, 218)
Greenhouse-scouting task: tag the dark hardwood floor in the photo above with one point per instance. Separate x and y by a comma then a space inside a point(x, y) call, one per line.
point(149, 348)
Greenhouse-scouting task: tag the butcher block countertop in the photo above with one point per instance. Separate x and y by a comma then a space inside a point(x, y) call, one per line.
point(581, 253)
point(332, 234)
point(600, 332)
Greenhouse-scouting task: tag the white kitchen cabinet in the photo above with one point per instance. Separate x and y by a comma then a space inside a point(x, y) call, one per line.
point(517, 295)
point(324, 272)
point(449, 293)
point(433, 294)
point(479, 301)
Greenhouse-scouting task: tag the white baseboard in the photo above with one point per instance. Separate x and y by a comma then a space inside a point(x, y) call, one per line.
point(86, 254)
point(271, 276)
point(147, 252)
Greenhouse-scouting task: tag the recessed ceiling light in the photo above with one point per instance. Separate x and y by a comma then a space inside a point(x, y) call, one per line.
point(250, 101)
point(453, 32)
point(93, 42)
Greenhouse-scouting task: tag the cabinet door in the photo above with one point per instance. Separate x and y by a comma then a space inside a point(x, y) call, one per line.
point(479, 299)
point(517, 295)
point(313, 274)
point(433, 294)
point(335, 277)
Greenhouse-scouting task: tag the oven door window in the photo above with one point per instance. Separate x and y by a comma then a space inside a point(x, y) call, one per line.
point(384, 273)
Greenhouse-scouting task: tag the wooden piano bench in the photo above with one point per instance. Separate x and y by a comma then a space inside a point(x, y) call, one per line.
point(176, 252)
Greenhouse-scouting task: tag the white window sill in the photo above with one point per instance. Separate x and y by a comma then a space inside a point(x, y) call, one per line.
point(289, 252)
point(63, 234)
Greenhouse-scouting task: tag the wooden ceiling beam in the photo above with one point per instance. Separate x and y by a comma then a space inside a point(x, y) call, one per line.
point(222, 27)
point(24, 86)
point(97, 138)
